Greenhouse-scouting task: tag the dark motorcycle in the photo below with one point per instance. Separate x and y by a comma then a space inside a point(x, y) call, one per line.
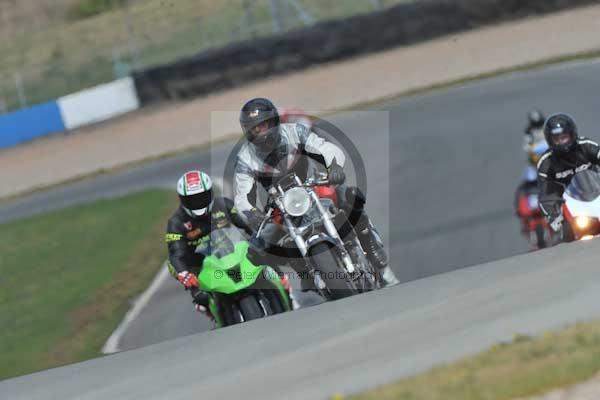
point(312, 221)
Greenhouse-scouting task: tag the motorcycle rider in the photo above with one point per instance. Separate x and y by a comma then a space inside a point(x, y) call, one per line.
point(534, 131)
point(196, 217)
point(569, 153)
point(273, 149)
point(529, 183)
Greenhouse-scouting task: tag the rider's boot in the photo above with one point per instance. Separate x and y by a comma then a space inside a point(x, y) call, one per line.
point(373, 245)
point(354, 202)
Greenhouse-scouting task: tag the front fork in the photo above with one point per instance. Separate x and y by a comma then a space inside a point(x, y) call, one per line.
point(333, 232)
point(329, 228)
point(213, 308)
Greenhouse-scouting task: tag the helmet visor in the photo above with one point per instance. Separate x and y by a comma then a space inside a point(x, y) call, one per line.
point(197, 201)
point(258, 131)
point(561, 139)
point(265, 136)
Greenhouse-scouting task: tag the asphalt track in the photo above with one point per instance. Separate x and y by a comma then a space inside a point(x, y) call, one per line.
point(441, 189)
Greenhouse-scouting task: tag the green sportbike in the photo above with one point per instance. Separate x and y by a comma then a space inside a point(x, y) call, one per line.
point(239, 290)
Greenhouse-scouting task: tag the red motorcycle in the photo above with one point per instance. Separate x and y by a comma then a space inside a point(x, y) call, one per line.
point(294, 115)
point(533, 223)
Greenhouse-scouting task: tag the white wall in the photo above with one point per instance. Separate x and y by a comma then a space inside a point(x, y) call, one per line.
point(98, 103)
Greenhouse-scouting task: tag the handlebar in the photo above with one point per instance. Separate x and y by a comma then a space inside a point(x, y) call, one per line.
point(274, 194)
point(320, 182)
point(262, 225)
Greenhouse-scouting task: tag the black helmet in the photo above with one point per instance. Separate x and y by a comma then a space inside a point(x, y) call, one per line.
point(536, 118)
point(256, 112)
point(560, 132)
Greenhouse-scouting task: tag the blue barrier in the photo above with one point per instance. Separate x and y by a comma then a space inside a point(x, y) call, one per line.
point(30, 123)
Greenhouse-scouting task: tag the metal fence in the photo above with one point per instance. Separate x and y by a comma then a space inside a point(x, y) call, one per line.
point(64, 58)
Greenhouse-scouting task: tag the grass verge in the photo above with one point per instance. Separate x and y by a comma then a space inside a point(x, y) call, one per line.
point(526, 366)
point(61, 292)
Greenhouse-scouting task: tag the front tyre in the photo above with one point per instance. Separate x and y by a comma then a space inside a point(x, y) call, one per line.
point(540, 234)
point(229, 313)
point(250, 308)
point(273, 301)
point(332, 271)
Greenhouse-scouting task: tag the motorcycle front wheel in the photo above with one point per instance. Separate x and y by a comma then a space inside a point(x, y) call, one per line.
point(250, 308)
point(332, 272)
point(228, 311)
point(540, 233)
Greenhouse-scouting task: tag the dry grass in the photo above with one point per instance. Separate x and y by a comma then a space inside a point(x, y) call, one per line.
point(80, 41)
point(56, 55)
point(20, 16)
point(63, 55)
point(526, 366)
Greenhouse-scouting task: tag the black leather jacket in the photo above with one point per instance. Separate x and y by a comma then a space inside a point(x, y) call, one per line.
point(185, 233)
point(555, 173)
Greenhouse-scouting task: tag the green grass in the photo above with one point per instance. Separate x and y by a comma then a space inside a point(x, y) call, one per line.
point(66, 55)
point(66, 277)
point(527, 366)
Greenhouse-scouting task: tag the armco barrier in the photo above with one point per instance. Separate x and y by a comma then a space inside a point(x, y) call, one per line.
point(73, 111)
point(404, 24)
point(30, 123)
point(98, 103)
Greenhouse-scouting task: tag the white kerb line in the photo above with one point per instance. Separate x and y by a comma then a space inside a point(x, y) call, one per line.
point(112, 344)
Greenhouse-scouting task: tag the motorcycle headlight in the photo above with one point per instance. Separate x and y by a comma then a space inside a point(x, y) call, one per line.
point(583, 222)
point(296, 201)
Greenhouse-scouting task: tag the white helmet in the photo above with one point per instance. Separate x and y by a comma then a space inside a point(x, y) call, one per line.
point(195, 193)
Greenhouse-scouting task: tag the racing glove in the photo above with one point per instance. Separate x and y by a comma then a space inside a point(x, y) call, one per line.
point(254, 218)
point(201, 300)
point(187, 279)
point(336, 174)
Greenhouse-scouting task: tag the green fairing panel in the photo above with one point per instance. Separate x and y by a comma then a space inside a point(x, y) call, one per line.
point(214, 278)
point(212, 306)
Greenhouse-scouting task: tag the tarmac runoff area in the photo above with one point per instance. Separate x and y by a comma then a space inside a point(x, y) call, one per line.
point(348, 345)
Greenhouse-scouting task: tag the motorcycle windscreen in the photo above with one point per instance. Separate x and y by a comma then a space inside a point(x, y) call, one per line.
point(221, 243)
point(585, 186)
